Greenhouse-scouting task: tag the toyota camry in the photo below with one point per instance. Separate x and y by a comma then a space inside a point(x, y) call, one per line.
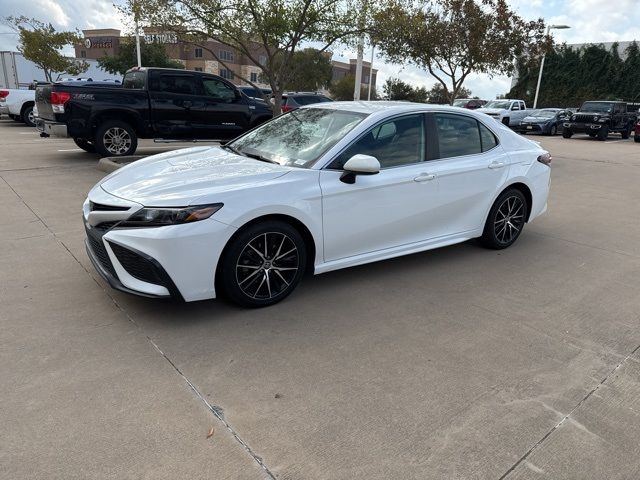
point(321, 188)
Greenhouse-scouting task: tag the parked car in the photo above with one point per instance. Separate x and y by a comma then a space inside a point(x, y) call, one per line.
point(470, 103)
point(636, 132)
point(152, 103)
point(328, 186)
point(508, 112)
point(292, 101)
point(18, 105)
point(546, 121)
point(600, 118)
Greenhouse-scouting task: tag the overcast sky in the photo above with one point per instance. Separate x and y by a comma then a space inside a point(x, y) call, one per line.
point(590, 21)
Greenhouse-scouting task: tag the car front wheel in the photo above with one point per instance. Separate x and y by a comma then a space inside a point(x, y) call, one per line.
point(566, 133)
point(262, 264)
point(506, 220)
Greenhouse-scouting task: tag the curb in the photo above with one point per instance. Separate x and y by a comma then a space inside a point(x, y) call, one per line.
point(111, 164)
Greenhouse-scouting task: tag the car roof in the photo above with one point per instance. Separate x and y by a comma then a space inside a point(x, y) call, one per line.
point(370, 107)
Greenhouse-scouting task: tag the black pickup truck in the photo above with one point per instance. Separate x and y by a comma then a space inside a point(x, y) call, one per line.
point(155, 103)
point(599, 119)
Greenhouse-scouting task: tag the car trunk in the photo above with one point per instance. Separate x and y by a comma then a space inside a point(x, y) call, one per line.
point(43, 102)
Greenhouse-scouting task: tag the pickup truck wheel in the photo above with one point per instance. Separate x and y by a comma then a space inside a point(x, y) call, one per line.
point(85, 145)
point(115, 139)
point(603, 133)
point(566, 133)
point(27, 116)
point(636, 138)
point(505, 121)
point(626, 133)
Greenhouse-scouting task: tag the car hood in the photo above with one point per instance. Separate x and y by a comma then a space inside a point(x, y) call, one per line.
point(536, 119)
point(490, 110)
point(178, 178)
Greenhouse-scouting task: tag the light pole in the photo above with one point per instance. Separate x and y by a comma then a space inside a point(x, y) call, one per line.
point(549, 28)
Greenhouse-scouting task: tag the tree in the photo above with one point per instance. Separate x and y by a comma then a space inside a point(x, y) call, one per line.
point(311, 69)
point(266, 32)
point(396, 89)
point(343, 89)
point(440, 96)
point(42, 44)
point(152, 55)
point(452, 38)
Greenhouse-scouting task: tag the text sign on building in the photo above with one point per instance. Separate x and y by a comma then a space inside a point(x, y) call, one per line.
point(98, 42)
point(161, 38)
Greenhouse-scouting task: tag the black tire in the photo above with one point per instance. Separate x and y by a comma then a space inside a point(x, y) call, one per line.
point(115, 138)
point(505, 121)
point(27, 116)
point(262, 281)
point(566, 133)
point(85, 145)
point(499, 230)
point(603, 133)
point(592, 135)
point(626, 133)
point(636, 138)
point(553, 130)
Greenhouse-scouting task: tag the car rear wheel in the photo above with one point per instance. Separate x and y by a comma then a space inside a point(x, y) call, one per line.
point(567, 133)
point(262, 264)
point(553, 130)
point(27, 116)
point(506, 220)
point(626, 133)
point(85, 145)
point(115, 139)
point(636, 138)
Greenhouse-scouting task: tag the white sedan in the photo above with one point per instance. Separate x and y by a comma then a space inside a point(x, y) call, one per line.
point(324, 187)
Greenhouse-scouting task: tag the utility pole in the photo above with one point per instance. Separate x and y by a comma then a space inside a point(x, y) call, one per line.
point(373, 47)
point(358, 82)
point(135, 18)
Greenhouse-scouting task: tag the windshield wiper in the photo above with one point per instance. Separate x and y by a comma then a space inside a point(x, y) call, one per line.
point(257, 156)
point(232, 149)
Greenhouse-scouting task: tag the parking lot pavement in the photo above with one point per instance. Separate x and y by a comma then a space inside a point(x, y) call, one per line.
point(455, 363)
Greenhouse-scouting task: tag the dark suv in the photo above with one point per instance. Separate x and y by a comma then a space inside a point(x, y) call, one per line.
point(292, 101)
point(599, 119)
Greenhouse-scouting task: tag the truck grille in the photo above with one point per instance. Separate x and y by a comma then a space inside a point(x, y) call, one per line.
point(581, 118)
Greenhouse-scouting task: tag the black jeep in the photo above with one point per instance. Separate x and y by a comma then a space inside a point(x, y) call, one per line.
point(599, 119)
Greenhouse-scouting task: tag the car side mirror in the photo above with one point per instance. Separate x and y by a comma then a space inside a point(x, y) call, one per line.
point(359, 164)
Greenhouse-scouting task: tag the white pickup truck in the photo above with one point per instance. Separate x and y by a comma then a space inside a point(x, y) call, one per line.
point(18, 104)
point(509, 112)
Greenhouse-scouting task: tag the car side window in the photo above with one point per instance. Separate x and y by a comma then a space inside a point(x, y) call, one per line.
point(219, 90)
point(487, 138)
point(522, 106)
point(394, 143)
point(181, 84)
point(458, 135)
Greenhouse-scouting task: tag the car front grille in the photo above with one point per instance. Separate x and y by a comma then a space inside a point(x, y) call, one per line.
point(583, 118)
point(137, 266)
point(106, 226)
point(100, 252)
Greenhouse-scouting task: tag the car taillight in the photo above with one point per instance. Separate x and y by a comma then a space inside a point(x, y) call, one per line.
point(58, 99)
point(286, 108)
point(545, 158)
point(3, 94)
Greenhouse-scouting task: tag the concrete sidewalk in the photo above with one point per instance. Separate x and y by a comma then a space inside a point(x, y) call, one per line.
point(459, 363)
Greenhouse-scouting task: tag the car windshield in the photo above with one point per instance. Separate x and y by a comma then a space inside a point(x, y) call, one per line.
point(544, 113)
point(497, 104)
point(298, 138)
point(460, 103)
point(596, 107)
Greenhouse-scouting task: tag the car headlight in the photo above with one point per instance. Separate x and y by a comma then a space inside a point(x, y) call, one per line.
point(157, 217)
point(573, 118)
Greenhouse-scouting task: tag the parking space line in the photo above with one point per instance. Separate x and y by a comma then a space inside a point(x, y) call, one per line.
point(71, 150)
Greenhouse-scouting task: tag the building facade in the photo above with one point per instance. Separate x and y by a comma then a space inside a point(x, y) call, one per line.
point(106, 42)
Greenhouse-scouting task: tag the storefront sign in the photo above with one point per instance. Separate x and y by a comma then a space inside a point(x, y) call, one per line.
point(98, 42)
point(161, 38)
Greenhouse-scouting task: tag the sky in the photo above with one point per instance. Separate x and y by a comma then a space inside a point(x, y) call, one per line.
point(591, 21)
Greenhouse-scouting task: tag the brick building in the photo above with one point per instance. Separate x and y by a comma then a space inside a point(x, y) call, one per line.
point(98, 43)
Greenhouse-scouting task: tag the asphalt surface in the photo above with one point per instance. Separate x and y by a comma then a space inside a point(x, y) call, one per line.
point(459, 363)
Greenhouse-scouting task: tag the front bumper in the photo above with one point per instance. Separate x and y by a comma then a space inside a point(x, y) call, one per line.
point(48, 128)
point(583, 127)
point(532, 127)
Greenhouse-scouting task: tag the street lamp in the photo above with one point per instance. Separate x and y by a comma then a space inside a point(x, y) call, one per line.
point(549, 28)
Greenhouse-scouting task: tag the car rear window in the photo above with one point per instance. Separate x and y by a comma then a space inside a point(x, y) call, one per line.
point(309, 99)
point(134, 80)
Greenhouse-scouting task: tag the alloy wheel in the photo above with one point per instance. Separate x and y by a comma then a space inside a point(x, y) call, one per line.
point(509, 219)
point(117, 140)
point(31, 117)
point(267, 265)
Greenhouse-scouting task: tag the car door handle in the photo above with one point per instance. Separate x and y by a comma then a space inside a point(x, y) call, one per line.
point(424, 177)
point(495, 165)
